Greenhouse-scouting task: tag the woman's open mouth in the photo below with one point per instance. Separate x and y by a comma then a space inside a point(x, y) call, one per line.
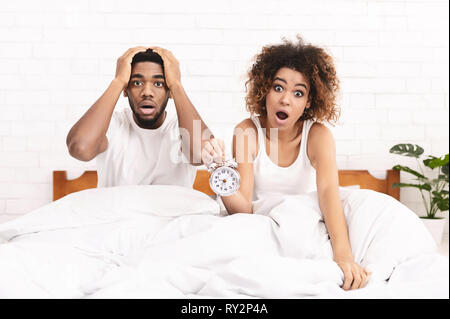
point(281, 116)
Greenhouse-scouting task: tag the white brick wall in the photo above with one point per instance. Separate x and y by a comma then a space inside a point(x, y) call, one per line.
point(57, 57)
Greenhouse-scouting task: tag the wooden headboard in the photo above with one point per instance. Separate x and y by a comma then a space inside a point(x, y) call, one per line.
point(62, 186)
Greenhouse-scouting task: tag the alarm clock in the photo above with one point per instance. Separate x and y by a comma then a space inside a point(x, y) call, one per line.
point(224, 179)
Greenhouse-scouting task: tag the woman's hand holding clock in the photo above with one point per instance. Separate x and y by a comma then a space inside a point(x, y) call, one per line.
point(224, 179)
point(213, 151)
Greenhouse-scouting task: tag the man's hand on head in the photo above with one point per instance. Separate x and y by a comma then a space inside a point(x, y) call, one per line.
point(123, 68)
point(172, 72)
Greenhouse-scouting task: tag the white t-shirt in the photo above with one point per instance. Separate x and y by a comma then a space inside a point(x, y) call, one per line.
point(137, 156)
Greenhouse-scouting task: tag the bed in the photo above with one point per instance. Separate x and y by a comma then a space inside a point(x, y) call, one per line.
point(166, 241)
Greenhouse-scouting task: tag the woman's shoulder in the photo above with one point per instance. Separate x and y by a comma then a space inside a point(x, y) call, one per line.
point(319, 131)
point(246, 124)
point(246, 130)
point(320, 138)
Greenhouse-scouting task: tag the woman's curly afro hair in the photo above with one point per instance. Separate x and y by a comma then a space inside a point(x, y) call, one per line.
point(313, 62)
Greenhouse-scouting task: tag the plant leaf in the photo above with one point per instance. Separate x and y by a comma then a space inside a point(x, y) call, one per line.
point(442, 203)
point(426, 187)
point(408, 170)
point(445, 169)
point(433, 162)
point(407, 150)
point(439, 194)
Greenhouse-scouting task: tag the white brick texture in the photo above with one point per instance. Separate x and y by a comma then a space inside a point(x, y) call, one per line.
point(57, 58)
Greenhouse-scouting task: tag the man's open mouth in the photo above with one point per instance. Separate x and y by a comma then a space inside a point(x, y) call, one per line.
point(282, 115)
point(147, 109)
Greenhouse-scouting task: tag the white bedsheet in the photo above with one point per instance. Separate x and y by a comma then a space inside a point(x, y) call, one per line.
point(84, 247)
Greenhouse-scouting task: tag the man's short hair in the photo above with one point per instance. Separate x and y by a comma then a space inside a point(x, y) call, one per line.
point(148, 56)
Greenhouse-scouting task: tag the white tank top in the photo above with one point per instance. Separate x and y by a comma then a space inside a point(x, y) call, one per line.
point(270, 179)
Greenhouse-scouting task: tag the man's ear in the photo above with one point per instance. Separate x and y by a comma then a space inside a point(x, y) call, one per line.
point(125, 94)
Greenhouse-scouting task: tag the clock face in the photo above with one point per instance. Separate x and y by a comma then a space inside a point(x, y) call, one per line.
point(224, 181)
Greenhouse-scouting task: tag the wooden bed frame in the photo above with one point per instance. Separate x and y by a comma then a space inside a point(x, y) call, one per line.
point(62, 186)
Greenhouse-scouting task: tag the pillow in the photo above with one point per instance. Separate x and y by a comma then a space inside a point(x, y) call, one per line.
point(108, 205)
point(160, 200)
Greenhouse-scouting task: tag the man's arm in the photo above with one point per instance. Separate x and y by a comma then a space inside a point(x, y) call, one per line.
point(87, 138)
point(188, 117)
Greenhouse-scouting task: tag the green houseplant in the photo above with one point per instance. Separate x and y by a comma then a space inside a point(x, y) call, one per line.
point(434, 191)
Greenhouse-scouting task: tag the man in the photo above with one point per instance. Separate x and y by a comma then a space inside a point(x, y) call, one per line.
point(142, 145)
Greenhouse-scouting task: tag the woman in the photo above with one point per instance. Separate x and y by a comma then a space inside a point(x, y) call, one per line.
point(292, 87)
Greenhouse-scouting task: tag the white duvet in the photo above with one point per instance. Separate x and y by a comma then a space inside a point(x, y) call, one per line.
point(174, 242)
